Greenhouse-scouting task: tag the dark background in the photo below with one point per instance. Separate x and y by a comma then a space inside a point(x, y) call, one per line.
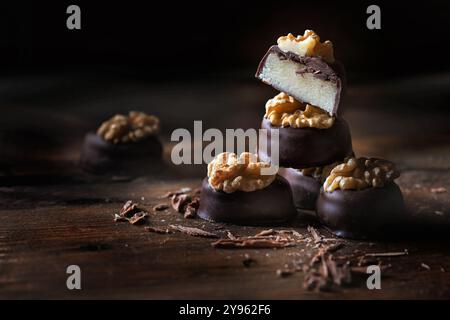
point(179, 40)
point(186, 61)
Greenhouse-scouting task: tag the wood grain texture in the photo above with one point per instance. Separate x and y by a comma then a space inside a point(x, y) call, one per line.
point(53, 215)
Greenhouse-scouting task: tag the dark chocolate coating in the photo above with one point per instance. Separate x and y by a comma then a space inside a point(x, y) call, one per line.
point(362, 214)
point(334, 72)
point(305, 189)
point(271, 205)
point(309, 147)
point(99, 155)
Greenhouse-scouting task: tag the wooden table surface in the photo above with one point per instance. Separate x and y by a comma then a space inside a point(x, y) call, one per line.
point(53, 215)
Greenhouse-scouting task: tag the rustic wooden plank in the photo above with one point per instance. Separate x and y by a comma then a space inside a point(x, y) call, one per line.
point(53, 215)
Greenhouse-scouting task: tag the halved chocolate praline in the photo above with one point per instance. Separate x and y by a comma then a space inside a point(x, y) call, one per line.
point(100, 156)
point(268, 206)
point(309, 147)
point(362, 214)
point(305, 189)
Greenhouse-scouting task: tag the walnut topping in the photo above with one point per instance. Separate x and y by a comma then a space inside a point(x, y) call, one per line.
point(307, 45)
point(229, 173)
point(361, 173)
point(284, 110)
point(134, 127)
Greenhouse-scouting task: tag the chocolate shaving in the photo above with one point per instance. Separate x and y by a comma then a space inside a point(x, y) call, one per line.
point(328, 249)
point(253, 243)
point(129, 208)
point(185, 204)
point(230, 235)
point(387, 254)
point(363, 270)
point(180, 202)
point(158, 230)
point(329, 276)
point(138, 218)
point(366, 261)
point(264, 233)
point(191, 209)
point(315, 234)
point(316, 281)
point(339, 275)
point(195, 232)
point(270, 232)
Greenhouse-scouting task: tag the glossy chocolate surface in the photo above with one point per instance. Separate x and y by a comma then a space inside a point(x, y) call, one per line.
point(305, 189)
point(362, 214)
point(271, 205)
point(98, 155)
point(309, 147)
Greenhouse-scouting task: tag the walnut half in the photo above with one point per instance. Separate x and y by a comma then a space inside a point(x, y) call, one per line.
point(284, 110)
point(361, 173)
point(134, 127)
point(308, 44)
point(230, 173)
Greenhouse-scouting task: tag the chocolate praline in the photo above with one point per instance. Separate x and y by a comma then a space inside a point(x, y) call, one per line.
point(362, 214)
point(271, 205)
point(309, 147)
point(305, 189)
point(99, 155)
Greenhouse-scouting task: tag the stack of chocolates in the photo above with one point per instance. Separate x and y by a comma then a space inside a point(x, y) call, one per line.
point(313, 138)
point(353, 197)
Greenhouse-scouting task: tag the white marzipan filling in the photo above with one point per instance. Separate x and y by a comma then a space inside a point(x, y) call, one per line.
point(305, 87)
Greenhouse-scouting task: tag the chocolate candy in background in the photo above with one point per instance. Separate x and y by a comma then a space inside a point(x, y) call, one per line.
point(372, 213)
point(269, 206)
point(309, 147)
point(101, 156)
point(305, 189)
point(307, 79)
